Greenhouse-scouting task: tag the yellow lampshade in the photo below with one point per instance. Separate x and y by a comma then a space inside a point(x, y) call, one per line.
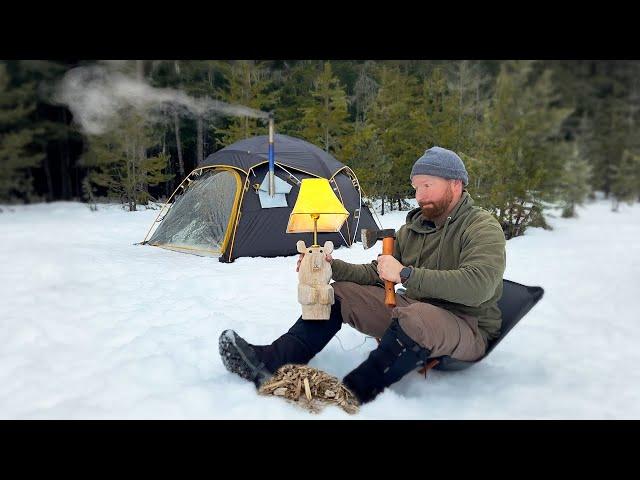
point(316, 198)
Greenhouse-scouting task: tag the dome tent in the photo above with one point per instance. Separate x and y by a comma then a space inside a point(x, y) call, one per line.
point(220, 209)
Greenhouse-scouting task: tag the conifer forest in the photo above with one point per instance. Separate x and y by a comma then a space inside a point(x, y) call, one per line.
point(532, 134)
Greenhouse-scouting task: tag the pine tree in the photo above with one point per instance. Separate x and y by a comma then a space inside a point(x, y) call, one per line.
point(575, 182)
point(119, 161)
point(53, 136)
point(437, 115)
point(449, 112)
point(363, 153)
point(294, 82)
point(522, 151)
point(17, 155)
point(393, 120)
point(325, 121)
point(249, 84)
point(625, 179)
point(204, 79)
point(608, 110)
point(169, 74)
point(467, 85)
point(365, 91)
point(184, 131)
point(88, 193)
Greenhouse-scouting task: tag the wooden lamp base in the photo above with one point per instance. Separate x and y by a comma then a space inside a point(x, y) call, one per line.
point(315, 295)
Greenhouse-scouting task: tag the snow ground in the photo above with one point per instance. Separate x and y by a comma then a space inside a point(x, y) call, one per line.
point(95, 327)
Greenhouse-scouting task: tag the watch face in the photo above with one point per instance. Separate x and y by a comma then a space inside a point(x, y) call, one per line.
point(404, 273)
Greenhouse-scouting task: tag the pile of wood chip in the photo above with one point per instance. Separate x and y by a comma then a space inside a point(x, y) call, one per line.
point(309, 388)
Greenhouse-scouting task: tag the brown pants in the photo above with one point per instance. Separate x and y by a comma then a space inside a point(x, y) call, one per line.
point(435, 328)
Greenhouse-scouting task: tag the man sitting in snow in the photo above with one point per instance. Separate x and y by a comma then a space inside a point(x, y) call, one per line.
point(450, 257)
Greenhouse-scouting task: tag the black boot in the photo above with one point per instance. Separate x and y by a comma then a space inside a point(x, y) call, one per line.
point(396, 356)
point(298, 346)
point(241, 358)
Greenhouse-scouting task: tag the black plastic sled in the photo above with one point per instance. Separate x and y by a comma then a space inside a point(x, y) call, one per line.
point(515, 303)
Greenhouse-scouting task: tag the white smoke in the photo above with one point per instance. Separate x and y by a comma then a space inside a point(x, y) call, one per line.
point(96, 94)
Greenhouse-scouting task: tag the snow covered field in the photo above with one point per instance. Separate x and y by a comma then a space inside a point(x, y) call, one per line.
point(92, 326)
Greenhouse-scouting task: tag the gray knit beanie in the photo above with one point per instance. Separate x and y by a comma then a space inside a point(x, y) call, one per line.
point(440, 162)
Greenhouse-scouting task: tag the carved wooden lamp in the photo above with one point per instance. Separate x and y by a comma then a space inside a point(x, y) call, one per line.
point(317, 209)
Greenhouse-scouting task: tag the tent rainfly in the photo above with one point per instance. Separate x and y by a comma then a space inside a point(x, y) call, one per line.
point(223, 208)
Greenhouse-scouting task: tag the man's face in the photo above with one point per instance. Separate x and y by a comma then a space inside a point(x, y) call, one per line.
point(433, 194)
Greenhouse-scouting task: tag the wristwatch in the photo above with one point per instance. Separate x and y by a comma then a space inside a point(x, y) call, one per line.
point(405, 273)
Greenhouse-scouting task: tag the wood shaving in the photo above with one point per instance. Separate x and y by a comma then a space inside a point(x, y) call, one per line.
point(321, 389)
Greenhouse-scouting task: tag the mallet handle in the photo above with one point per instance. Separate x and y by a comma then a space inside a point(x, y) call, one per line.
point(390, 293)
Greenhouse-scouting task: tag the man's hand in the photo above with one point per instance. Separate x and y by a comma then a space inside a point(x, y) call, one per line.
point(327, 257)
point(389, 268)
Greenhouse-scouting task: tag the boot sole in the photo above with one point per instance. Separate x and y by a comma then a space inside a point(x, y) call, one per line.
point(233, 358)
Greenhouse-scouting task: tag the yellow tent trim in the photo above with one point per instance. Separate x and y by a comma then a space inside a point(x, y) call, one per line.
point(237, 220)
point(234, 211)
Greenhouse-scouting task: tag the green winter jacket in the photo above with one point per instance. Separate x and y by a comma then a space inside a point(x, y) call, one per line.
point(457, 266)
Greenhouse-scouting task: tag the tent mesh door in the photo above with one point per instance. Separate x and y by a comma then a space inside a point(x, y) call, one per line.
point(199, 218)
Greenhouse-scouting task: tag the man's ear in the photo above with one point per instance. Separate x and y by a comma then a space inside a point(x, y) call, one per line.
point(328, 247)
point(302, 248)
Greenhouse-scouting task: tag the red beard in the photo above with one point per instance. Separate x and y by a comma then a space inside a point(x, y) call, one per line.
point(434, 210)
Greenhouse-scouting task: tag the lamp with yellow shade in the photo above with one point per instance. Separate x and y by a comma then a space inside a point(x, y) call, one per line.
point(317, 209)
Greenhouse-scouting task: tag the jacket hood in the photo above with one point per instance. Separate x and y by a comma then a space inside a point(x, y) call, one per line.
point(419, 224)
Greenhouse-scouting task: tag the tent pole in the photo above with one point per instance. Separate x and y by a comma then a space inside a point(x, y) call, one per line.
point(167, 203)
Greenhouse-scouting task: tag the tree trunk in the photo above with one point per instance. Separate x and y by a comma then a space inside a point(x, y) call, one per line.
point(382, 212)
point(65, 176)
point(200, 133)
point(140, 69)
point(326, 130)
point(64, 173)
point(143, 179)
point(477, 105)
point(176, 125)
point(518, 220)
point(169, 163)
point(47, 172)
